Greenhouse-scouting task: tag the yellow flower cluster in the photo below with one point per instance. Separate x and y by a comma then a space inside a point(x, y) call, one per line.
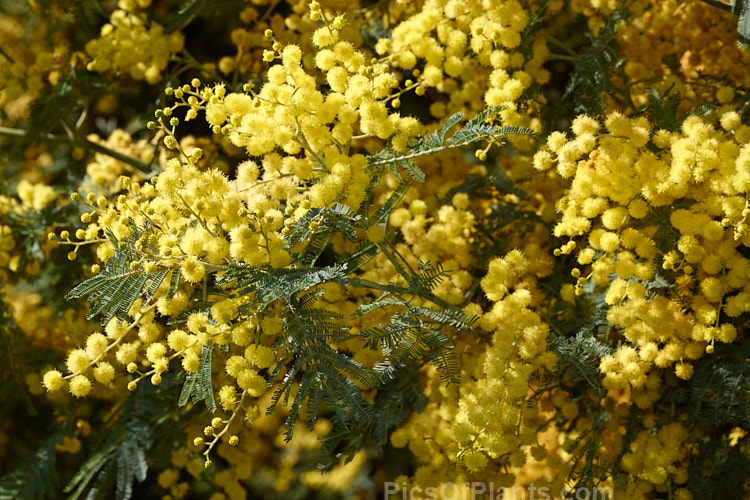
point(596, 11)
point(30, 197)
point(683, 31)
point(130, 45)
point(484, 425)
point(195, 220)
point(292, 115)
point(626, 186)
point(653, 223)
point(32, 58)
point(430, 48)
point(198, 219)
point(307, 25)
point(304, 143)
point(447, 239)
point(657, 457)
point(7, 243)
point(39, 322)
point(104, 170)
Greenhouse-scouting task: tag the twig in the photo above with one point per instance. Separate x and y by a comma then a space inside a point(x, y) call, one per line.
point(5, 54)
point(78, 141)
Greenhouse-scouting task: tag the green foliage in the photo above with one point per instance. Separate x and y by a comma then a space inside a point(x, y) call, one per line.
point(117, 458)
point(90, 14)
point(662, 110)
point(415, 333)
point(743, 25)
point(19, 356)
point(391, 406)
point(123, 444)
point(61, 107)
point(718, 394)
point(326, 374)
point(656, 284)
point(392, 202)
point(720, 469)
point(17, 351)
point(410, 338)
point(531, 31)
point(183, 16)
point(590, 80)
point(30, 231)
point(37, 475)
point(199, 384)
point(329, 376)
point(503, 210)
point(362, 253)
point(374, 32)
point(588, 471)
point(474, 130)
point(580, 339)
point(579, 350)
point(35, 479)
point(580, 356)
point(479, 129)
point(113, 291)
point(486, 186)
point(716, 400)
point(338, 219)
point(268, 285)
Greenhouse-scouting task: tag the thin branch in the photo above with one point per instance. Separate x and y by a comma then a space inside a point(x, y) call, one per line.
point(79, 141)
point(427, 152)
point(557, 43)
point(356, 281)
point(5, 54)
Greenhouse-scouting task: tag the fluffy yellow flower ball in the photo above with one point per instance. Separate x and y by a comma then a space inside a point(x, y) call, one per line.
point(80, 386)
point(52, 380)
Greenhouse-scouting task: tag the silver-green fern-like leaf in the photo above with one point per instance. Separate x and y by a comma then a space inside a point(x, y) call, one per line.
point(199, 384)
point(743, 24)
point(476, 129)
point(115, 289)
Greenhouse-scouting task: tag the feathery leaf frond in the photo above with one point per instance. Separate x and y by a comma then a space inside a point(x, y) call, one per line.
point(114, 290)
